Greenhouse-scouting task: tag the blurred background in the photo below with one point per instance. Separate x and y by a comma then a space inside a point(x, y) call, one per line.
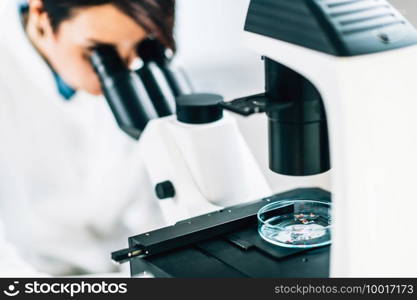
point(209, 35)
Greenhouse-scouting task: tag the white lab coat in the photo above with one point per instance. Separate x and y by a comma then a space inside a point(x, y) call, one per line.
point(72, 185)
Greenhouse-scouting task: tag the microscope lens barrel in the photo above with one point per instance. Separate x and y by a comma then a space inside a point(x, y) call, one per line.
point(124, 92)
point(298, 149)
point(298, 136)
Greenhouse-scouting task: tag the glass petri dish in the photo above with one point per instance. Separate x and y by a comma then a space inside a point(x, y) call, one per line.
point(296, 223)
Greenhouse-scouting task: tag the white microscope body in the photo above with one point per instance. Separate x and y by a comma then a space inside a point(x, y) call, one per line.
point(198, 164)
point(371, 106)
point(210, 166)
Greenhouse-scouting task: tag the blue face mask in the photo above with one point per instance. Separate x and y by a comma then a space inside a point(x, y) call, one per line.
point(64, 89)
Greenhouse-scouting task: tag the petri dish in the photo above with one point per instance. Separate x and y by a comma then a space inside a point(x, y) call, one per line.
point(296, 223)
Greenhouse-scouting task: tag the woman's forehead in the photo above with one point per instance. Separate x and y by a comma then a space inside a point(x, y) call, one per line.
point(103, 23)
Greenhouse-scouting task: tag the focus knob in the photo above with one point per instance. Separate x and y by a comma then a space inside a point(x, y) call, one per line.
point(165, 190)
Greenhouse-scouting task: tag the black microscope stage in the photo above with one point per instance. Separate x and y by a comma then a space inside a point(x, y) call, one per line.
point(226, 243)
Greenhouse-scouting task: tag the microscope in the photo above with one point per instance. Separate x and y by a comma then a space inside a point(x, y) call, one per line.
point(339, 86)
point(194, 154)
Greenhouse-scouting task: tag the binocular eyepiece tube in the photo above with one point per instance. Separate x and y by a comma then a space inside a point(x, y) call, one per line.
point(135, 98)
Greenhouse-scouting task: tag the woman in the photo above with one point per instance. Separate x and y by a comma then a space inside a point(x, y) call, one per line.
point(71, 184)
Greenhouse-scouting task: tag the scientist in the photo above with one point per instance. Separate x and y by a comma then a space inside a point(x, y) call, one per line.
point(72, 187)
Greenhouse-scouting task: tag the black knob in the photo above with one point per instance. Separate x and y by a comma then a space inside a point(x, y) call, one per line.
point(165, 190)
point(199, 108)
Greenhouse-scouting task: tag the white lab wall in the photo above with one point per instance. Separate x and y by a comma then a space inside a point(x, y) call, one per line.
point(210, 48)
point(408, 8)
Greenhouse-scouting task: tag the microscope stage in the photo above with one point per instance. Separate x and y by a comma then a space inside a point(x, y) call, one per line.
point(227, 244)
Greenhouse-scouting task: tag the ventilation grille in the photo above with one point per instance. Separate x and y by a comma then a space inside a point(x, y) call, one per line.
point(360, 16)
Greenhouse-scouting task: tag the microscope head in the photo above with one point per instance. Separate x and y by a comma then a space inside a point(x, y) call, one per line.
point(336, 27)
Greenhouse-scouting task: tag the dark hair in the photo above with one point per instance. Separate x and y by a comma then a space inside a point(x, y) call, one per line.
point(155, 16)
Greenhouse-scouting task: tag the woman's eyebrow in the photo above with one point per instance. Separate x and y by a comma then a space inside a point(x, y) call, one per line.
point(100, 43)
point(95, 42)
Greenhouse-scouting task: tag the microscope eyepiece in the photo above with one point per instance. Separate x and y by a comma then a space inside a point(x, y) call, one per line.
point(124, 92)
point(136, 97)
point(152, 50)
point(106, 60)
point(163, 83)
